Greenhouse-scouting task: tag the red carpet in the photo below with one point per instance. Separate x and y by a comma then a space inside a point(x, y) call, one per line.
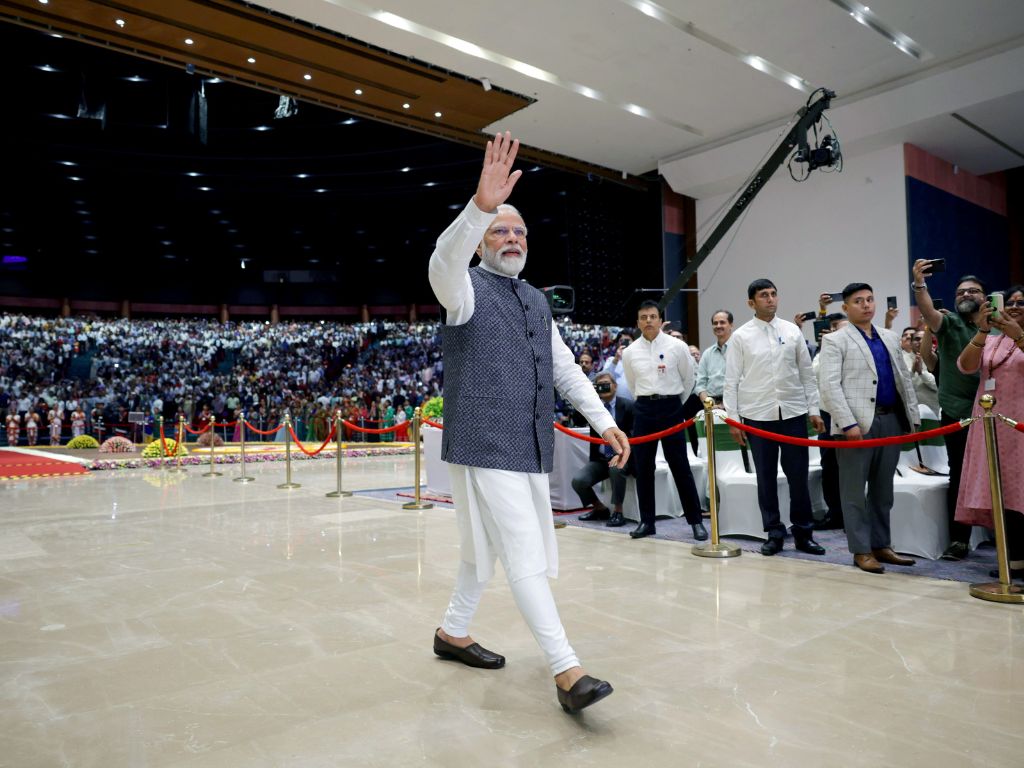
point(14, 466)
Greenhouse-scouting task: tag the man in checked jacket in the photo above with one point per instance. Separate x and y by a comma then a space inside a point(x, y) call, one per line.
point(866, 386)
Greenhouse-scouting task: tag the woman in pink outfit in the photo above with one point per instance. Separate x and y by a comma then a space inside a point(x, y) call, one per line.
point(1000, 361)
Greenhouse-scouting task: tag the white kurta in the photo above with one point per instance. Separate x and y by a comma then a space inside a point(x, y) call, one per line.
point(481, 494)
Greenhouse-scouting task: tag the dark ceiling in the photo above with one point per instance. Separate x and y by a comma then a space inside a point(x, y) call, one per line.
point(130, 202)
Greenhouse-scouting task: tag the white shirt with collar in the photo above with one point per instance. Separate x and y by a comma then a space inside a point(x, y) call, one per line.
point(768, 371)
point(663, 366)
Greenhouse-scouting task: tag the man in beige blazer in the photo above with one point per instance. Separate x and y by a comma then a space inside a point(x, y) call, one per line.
point(866, 386)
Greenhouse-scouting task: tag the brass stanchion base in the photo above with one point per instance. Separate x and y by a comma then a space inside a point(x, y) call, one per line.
point(338, 494)
point(211, 473)
point(719, 550)
point(244, 480)
point(419, 505)
point(998, 592)
point(289, 486)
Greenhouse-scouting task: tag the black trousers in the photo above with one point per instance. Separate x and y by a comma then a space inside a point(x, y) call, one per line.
point(691, 407)
point(956, 445)
point(830, 471)
point(654, 416)
point(794, 465)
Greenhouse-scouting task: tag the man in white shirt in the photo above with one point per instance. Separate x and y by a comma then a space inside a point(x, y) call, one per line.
point(770, 384)
point(505, 358)
point(659, 370)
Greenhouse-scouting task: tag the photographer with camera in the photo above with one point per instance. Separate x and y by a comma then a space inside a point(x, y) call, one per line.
point(599, 467)
point(953, 331)
point(613, 365)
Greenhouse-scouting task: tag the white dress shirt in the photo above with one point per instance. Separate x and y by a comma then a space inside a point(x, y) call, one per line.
point(768, 371)
point(660, 367)
point(449, 278)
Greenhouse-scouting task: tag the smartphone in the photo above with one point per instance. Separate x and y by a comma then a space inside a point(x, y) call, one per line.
point(837, 296)
point(890, 302)
point(936, 265)
point(996, 300)
point(808, 316)
point(820, 327)
point(937, 304)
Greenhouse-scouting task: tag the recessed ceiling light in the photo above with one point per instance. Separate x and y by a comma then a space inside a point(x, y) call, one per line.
point(47, 68)
point(301, 175)
point(307, 76)
point(315, 261)
point(359, 91)
point(44, 2)
point(75, 178)
point(67, 162)
point(59, 37)
point(406, 169)
point(251, 60)
point(92, 252)
point(189, 41)
point(379, 261)
point(215, 211)
point(89, 237)
point(193, 174)
point(205, 189)
point(455, 206)
point(169, 256)
point(262, 128)
point(119, 22)
point(321, 190)
point(437, 114)
point(214, 80)
point(232, 231)
point(430, 184)
point(406, 105)
point(350, 121)
point(135, 79)
point(166, 242)
point(83, 213)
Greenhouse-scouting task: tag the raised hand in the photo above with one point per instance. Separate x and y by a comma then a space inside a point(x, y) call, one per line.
point(497, 177)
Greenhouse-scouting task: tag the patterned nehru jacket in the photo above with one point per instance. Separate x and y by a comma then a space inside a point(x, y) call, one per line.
point(499, 398)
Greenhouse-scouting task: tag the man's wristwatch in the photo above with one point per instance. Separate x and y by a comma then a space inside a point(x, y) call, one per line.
point(916, 287)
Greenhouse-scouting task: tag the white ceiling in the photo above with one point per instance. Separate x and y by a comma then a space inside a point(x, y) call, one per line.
point(631, 58)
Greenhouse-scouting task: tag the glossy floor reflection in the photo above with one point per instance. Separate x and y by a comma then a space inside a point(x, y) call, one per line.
point(160, 620)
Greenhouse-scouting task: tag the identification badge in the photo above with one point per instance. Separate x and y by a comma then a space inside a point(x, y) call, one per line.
point(990, 385)
point(661, 370)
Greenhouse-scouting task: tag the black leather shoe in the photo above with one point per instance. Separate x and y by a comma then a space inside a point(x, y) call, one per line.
point(474, 655)
point(617, 521)
point(771, 547)
point(700, 533)
point(810, 546)
point(829, 522)
point(956, 551)
point(586, 691)
point(644, 529)
point(595, 515)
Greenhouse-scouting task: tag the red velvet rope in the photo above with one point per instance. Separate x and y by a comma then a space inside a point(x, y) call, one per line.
point(395, 428)
point(633, 440)
point(876, 442)
point(198, 432)
point(433, 424)
point(1019, 427)
point(225, 423)
point(163, 441)
point(260, 431)
point(303, 448)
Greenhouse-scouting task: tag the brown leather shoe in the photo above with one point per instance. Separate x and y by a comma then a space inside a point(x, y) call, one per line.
point(887, 555)
point(867, 562)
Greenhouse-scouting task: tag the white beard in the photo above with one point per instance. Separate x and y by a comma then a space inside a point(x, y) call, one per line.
point(505, 265)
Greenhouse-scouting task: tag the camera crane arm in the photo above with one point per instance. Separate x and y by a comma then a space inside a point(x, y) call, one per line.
point(809, 115)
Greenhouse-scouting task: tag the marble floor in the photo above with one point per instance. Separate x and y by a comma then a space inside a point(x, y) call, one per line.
point(149, 619)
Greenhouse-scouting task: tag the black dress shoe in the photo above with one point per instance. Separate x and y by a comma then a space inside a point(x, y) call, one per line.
point(956, 551)
point(617, 521)
point(810, 546)
point(595, 515)
point(644, 529)
point(771, 547)
point(474, 655)
point(586, 691)
point(700, 533)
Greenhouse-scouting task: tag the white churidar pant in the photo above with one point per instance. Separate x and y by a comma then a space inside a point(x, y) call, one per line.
point(508, 515)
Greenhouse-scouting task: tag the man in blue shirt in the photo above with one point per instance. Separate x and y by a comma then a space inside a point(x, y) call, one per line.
point(866, 386)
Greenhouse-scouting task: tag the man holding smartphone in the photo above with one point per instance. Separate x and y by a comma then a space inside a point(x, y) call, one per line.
point(953, 331)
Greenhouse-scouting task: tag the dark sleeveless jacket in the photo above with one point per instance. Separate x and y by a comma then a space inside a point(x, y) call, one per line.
point(498, 387)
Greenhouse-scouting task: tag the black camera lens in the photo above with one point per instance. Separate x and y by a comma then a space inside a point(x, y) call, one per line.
point(602, 387)
point(625, 342)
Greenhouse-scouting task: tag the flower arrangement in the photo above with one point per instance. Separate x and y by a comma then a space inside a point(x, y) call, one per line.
point(433, 409)
point(83, 442)
point(117, 444)
point(155, 450)
point(206, 438)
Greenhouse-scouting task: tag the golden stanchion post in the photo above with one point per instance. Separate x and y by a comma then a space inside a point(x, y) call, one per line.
point(243, 478)
point(338, 494)
point(1002, 591)
point(288, 484)
point(417, 417)
point(178, 447)
point(163, 442)
point(713, 548)
point(213, 437)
